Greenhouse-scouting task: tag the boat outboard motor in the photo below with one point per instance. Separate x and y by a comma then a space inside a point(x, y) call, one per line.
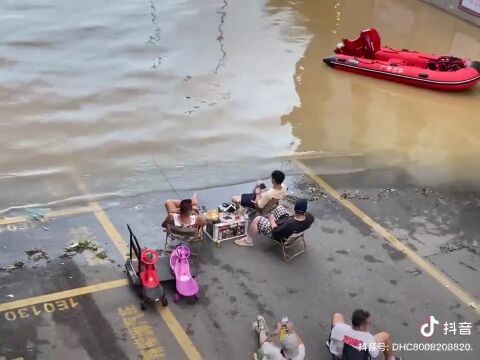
point(371, 42)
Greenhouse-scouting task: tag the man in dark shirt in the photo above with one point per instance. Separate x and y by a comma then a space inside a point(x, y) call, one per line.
point(280, 225)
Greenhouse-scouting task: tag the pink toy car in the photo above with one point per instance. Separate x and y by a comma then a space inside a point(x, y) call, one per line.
point(185, 283)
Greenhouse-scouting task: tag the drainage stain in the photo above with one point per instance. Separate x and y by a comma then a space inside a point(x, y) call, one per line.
point(384, 301)
point(371, 259)
point(394, 253)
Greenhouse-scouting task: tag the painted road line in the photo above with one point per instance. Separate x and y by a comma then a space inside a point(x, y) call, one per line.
point(141, 332)
point(172, 323)
point(426, 266)
point(176, 329)
point(63, 294)
point(102, 218)
point(39, 309)
point(49, 215)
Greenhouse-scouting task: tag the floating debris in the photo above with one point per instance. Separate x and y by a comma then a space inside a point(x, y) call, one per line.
point(102, 255)
point(472, 202)
point(37, 254)
point(422, 190)
point(10, 296)
point(11, 268)
point(82, 246)
point(460, 244)
point(305, 188)
point(354, 195)
point(37, 214)
point(387, 192)
point(291, 198)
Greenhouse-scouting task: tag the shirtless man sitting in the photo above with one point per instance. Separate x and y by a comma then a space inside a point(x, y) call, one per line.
point(183, 213)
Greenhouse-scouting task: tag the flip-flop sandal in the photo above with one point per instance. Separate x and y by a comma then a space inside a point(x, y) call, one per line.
point(262, 324)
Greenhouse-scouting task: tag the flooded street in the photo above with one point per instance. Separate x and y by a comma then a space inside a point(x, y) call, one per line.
point(207, 93)
point(108, 109)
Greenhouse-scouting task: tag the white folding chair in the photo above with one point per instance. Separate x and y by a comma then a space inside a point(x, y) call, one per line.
point(292, 246)
point(193, 235)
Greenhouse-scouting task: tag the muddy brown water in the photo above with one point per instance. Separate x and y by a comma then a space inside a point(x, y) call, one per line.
point(130, 93)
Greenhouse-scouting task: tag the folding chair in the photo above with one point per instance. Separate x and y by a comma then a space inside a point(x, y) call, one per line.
point(294, 240)
point(269, 208)
point(193, 235)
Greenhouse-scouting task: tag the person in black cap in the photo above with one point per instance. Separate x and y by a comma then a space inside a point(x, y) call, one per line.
point(280, 225)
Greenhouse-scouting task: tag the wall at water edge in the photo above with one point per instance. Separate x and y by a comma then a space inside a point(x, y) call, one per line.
point(452, 7)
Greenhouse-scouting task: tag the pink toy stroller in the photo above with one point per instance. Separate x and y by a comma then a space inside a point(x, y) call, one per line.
point(185, 283)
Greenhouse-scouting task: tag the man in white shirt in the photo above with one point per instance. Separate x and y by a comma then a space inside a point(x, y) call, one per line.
point(260, 197)
point(358, 336)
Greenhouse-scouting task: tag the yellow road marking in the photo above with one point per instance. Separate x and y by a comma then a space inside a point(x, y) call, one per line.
point(172, 323)
point(110, 229)
point(50, 215)
point(102, 217)
point(185, 343)
point(141, 332)
point(426, 266)
point(63, 294)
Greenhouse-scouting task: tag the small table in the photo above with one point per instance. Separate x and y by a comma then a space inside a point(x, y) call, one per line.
point(230, 226)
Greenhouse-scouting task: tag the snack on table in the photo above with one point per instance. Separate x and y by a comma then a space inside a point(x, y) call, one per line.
point(227, 217)
point(212, 215)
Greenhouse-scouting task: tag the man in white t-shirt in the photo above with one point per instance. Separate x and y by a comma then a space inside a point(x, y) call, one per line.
point(291, 345)
point(358, 337)
point(260, 197)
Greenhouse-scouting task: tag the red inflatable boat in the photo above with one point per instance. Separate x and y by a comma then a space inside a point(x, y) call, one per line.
point(365, 56)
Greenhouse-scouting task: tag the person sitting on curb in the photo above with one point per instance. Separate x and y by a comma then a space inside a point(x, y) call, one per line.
point(260, 197)
point(358, 337)
point(183, 213)
point(291, 345)
point(279, 225)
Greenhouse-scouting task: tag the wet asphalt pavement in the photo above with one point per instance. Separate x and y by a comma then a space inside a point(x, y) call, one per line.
point(346, 266)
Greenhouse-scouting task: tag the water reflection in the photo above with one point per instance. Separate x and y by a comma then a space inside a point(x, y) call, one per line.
point(222, 14)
